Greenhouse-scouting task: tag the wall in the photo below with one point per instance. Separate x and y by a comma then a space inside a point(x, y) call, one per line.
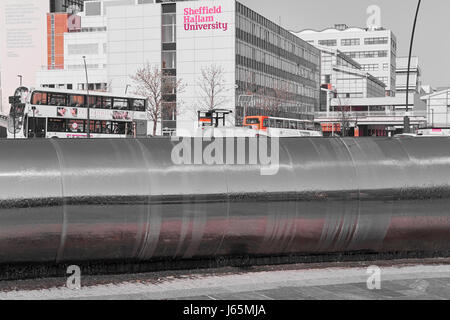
point(199, 49)
point(23, 45)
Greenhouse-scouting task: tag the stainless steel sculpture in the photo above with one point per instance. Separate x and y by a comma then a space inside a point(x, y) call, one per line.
point(73, 200)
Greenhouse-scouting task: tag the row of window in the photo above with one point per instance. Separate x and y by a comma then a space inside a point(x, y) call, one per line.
point(274, 61)
point(353, 42)
point(79, 101)
point(367, 54)
point(350, 42)
point(97, 126)
point(374, 67)
point(271, 30)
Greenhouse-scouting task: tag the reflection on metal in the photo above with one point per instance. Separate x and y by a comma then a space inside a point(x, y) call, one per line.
point(71, 200)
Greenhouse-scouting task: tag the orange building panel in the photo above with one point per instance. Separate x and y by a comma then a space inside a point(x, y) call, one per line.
point(56, 28)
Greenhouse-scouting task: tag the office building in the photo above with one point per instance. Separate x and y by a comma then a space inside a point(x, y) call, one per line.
point(415, 76)
point(262, 64)
point(374, 49)
point(343, 77)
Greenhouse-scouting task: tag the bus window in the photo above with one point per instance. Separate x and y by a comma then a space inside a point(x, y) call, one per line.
point(272, 123)
point(39, 98)
point(286, 124)
point(266, 123)
point(120, 104)
point(106, 103)
point(57, 99)
point(118, 127)
point(56, 125)
point(301, 126)
point(293, 125)
point(279, 123)
point(252, 121)
point(138, 105)
point(92, 101)
point(76, 101)
point(76, 126)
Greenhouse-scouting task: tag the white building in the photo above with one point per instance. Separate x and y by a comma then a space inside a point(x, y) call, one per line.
point(22, 45)
point(438, 109)
point(376, 116)
point(183, 38)
point(342, 77)
point(374, 49)
point(415, 76)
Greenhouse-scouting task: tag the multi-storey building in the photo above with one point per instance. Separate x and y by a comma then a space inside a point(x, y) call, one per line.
point(342, 77)
point(415, 76)
point(258, 58)
point(374, 49)
point(66, 5)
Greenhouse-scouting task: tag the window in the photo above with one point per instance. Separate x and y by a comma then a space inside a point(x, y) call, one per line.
point(57, 99)
point(169, 60)
point(379, 40)
point(139, 105)
point(121, 104)
point(80, 49)
point(106, 103)
point(252, 121)
point(329, 43)
point(76, 101)
point(57, 125)
point(39, 98)
point(350, 42)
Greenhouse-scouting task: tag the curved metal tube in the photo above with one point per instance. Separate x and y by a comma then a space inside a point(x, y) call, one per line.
point(72, 200)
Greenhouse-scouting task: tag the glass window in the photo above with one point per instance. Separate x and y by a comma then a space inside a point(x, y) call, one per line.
point(57, 99)
point(168, 34)
point(75, 126)
point(39, 98)
point(120, 104)
point(106, 103)
point(169, 60)
point(139, 105)
point(57, 125)
point(76, 101)
point(252, 121)
point(118, 127)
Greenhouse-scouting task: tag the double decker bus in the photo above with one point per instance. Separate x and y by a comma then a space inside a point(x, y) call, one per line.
point(281, 127)
point(58, 113)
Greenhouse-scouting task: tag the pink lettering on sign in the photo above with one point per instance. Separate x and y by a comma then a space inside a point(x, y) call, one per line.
point(203, 18)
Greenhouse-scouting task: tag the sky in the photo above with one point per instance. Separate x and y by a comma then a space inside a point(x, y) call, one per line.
point(431, 44)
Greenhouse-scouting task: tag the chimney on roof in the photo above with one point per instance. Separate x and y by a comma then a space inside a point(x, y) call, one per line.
point(341, 27)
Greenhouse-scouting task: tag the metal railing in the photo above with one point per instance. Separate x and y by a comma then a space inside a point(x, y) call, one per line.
point(369, 114)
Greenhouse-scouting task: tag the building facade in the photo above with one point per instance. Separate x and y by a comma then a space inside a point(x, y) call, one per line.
point(415, 76)
point(438, 109)
point(374, 49)
point(278, 72)
point(23, 47)
point(342, 77)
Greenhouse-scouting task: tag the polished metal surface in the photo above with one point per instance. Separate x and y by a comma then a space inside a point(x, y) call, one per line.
point(73, 200)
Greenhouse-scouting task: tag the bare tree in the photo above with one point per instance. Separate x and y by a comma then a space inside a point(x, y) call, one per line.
point(272, 103)
point(150, 82)
point(213, 87)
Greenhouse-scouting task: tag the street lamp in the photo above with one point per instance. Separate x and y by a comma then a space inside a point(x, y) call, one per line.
point(34, 121)
point(21, 79)
point(126, 88)
point(406, 121)
point(88, 106)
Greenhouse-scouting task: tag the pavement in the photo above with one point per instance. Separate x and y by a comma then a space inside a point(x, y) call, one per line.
point(410, 282)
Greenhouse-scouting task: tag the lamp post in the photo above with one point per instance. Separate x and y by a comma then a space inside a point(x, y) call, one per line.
point(406, 120)
point(126, 88)
point(87, 97)
point(21, 79)
point(34, 121)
